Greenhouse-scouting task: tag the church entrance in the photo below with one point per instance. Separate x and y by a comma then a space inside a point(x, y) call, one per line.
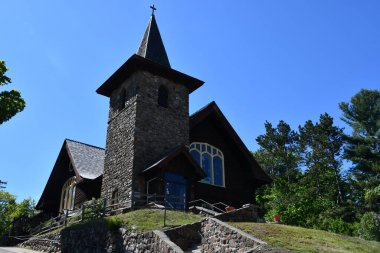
point(175, 191)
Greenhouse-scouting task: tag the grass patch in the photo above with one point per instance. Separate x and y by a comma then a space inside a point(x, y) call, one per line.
point(142, 220)
point(299, 239)
point(150, 219)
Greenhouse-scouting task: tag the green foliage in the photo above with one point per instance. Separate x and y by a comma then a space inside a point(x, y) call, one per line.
point(93, 209)
point(370, 226)
point(114, 223)
point(11, 102)
point(10, 211)
point(372, 198)
point(362, 114)
point(8, 207)
point(309, 188)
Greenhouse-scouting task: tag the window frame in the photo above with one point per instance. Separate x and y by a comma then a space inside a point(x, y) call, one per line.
point(67, 201)
point(212, 151)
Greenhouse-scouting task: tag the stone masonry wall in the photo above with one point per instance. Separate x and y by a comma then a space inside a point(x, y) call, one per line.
point(100, 240)
point(221, 237)
point(48, 243)
point(159, 129)
point(248, 213)
point(118, 162)
point(142, 132)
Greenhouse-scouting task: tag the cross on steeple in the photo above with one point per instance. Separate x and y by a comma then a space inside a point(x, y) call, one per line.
point(153, 9)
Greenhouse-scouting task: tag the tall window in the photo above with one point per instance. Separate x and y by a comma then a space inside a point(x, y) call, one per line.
point(211, 160)
point(115, 197)
point(121, 100)
point(163, 96)
point(68, 194)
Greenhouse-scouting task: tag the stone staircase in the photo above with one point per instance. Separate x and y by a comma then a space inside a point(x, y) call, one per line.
point(196, 249)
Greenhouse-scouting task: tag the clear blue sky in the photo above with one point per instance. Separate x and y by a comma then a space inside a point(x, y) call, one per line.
point(261, 60)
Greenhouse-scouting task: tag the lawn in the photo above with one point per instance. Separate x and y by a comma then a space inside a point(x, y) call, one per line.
point(151, 219)
point(297, 239)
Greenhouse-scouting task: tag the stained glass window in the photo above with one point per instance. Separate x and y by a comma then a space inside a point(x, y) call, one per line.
point(211, 160)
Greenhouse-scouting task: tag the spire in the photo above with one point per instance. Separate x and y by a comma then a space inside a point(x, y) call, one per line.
point(151, 46)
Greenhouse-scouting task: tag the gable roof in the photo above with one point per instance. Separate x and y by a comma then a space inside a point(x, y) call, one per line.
point(180, 150)
point(151, 46)
point(212, 108)
point(87, 160)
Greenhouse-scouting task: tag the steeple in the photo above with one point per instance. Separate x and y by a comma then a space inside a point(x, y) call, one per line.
point(152, 47)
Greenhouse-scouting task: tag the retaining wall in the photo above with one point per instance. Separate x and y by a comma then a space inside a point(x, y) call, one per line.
point(218, 236)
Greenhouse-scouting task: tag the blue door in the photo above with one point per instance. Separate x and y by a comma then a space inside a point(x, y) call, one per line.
point(175, 191)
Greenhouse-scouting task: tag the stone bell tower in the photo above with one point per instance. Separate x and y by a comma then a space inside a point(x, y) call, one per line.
point(148, 115)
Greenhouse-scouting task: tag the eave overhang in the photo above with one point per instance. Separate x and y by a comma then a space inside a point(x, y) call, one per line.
point(135, 63)
point(180, 150)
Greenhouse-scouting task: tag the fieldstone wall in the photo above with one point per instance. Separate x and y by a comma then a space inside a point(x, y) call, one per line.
point(158, 129)
point(221, 237)
point(140, 131)
point(100, 240)
point(47, 243)
point(119, 154)
point(248, 213)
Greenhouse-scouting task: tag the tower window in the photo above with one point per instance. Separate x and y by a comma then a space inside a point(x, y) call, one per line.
point(163, 96)
point(122, 97)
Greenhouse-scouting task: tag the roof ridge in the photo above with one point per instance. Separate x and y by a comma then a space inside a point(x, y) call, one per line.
point(202, 108)
point(89, 145)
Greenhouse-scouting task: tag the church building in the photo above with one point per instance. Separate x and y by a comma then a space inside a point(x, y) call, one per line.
point(153, 145)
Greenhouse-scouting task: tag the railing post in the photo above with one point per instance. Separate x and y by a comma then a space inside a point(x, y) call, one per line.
point(51, 222)
point(132, 200)
point(165, 216)
point(104, 207)
point(66, 216)
point(82, 214)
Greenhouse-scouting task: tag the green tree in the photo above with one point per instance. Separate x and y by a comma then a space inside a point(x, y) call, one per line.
point(7, 208)
point(11, 102)
point(308, 188)
point(278, 151)
point(322, 145)
point(278, 155)
point(362, 148)
point(10, 211)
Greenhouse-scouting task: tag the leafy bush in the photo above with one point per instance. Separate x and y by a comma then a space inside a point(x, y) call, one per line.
point(114, 223)
point(338, 225)
point(370, 226)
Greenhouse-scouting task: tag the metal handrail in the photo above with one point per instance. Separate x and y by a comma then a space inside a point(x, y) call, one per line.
point(211, 205)
point(220, 203)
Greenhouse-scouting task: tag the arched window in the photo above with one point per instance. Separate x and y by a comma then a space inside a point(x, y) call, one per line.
point(163, 96)
point(68, 195)
point(121, 100)
point(211, 160)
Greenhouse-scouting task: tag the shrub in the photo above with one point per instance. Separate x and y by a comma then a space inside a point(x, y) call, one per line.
point(370, 226)
point(113, 223)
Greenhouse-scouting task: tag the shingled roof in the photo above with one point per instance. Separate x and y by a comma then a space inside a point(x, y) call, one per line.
point(87, 160)
point(151, 46)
